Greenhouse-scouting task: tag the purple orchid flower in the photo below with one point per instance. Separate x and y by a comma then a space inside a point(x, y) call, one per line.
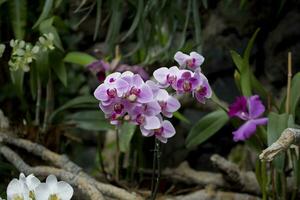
point(138, 91)
point(163, 132)
point(168, 103)
point(112, 87)
point(99, 68)
point(192, 61)
point(167, 76)
point(187, 82)
point(203, 91)
point(250, 110)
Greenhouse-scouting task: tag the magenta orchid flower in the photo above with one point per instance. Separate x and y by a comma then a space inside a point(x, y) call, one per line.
point(203, 91)
point(187, 82)
point(167, 76)
point(138, 91)
point(166, 130)
point(250, 110)
point(112, 87)
point(168, 103)
point(192, 61)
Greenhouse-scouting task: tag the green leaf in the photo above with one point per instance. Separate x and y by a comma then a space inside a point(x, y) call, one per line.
point(250, 46)
point(2, 1)
point(237, 60)
point(181, 117)
point(45, 12)
point(89, 120)
point(33, 80)
point(126, 132)
point(79, 58)
point(246, 81)
point(197, 25)
point(206, 127)
point(276, 124)
point(17, 78)
point(58, 66)
point(137, 18)
point(18, 15)
point(98, 19)
point(74, 103)
point(42, 65)
point(295, 94)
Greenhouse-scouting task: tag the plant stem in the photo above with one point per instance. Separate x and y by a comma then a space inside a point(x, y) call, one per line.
point(153, 167)
point(49, 103)
point(38, 101)
point(283, 185)
point(158, 155)
point(117, 164)
point(289, 78)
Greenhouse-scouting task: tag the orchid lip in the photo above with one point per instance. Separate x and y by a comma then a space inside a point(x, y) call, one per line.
point(112, 93)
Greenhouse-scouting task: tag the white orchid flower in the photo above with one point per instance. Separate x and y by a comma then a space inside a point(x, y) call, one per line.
point(17, 190)
point(54, 190)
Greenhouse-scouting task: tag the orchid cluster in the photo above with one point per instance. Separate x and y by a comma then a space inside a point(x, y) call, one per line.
point(249, 109)
point(23, 53)
point(127, 97)
point(30, 188)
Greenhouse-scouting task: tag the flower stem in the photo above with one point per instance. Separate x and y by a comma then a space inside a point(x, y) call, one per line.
point(289, 78)
point(158, 155)
point(49, 104)
point(38, 101)
point(117, 165)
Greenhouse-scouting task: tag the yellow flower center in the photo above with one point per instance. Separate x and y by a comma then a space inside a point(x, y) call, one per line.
point(17, 197)
point(53, 197)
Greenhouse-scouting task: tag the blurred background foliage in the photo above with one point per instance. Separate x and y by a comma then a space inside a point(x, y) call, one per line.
point(147, 33)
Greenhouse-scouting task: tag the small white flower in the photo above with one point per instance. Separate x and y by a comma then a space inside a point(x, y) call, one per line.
point(17, 190)
point(54, 190)
point(31, 181)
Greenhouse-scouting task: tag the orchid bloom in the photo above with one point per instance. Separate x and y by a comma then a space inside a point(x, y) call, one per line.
point(168, 103)
point(187, 82)
point(54, 190)
point(167, 77)
point(163, 132)
point(112, 87)
point(31, 182)
point(17, 190)
point(250, 110)
point(192, 61)
point(202, 91)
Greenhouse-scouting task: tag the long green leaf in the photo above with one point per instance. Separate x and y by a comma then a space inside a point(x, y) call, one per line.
point(276, 124)
point(197, 24)
point(250, 46)
point(237, 60)
point(126, 133)
point(98, 19)
point(18, 15)
point(58, 66)
point(74, 103)
point(206, 127)
point(17, 78)
point(137, 18)
point(89, 120)
point(45, 13)
point(79, 58)
point(295, 94)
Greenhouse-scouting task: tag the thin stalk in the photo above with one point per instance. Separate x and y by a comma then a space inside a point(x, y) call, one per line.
point(38, 101)
point(283, 185)
point(273, 181)
point(154, 167)
point(117, 164)
point(158, 155)
point(49, 104)
point(100, 157)
point(289, 78)
point(264, 180)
